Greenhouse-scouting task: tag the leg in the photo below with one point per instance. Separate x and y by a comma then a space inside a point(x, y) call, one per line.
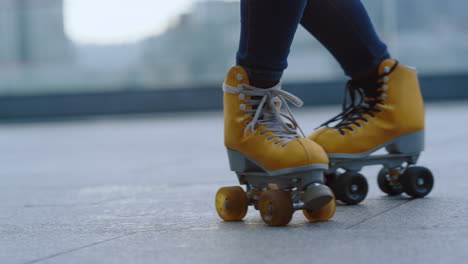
point(267, 31)
point(345, 29)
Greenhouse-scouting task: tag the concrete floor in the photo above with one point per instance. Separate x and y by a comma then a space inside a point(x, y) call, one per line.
point(141, 190)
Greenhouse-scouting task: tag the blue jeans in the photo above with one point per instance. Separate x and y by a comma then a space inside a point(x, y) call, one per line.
point(342, 26)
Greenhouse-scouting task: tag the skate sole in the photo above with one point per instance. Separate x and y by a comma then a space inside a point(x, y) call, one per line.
point(406, 144)
point(251, 172)
point(240, 163)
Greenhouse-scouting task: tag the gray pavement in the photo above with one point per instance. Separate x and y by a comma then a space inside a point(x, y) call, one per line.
point(141, 190)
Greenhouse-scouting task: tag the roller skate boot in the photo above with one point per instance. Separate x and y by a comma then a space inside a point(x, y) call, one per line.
point(282, 171)
point(384, 113)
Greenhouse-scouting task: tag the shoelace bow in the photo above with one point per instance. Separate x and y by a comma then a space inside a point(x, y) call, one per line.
point(364, 96)
point(265, 109)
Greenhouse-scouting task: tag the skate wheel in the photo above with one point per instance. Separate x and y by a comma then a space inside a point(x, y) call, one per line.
point(417, 181)
point(351, 187)
point(330, 180)
point(276, 207)
point(385, 186)
point(231, 203)
point(322, 214)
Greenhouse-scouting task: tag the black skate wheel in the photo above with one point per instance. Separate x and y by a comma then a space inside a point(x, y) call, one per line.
point(330, 180)
point(351, 187)
point(385, 186)
point(417, 181)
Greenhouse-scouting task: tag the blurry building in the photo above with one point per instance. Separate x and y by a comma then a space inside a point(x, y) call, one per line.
point(201, 45)
point(32, 32)
point(9, 37)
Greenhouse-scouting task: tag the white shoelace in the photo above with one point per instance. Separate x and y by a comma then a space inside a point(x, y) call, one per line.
point(268, 111)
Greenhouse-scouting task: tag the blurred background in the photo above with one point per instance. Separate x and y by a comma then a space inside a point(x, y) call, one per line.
point(82, 57)
point(130, 187)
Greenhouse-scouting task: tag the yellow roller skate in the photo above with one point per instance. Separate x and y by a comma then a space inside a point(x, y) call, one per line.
point(384, 113)
point(282, 170)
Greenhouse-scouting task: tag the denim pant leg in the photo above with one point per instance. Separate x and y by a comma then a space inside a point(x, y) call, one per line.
point(345, 29)
point(267, 31)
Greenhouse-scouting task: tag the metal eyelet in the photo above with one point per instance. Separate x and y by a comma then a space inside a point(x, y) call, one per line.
point(386, 79)
point(385, 87)
point(242, 97)
point(386, 69)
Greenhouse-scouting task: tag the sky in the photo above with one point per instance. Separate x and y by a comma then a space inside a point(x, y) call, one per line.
point(119, 21)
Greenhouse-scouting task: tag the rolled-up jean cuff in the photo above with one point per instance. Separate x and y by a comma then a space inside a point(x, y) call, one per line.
point(263, 75)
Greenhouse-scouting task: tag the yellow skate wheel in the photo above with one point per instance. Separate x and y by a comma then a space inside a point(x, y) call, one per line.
point(231, 203)
point(321, 214)
point(276, 207)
